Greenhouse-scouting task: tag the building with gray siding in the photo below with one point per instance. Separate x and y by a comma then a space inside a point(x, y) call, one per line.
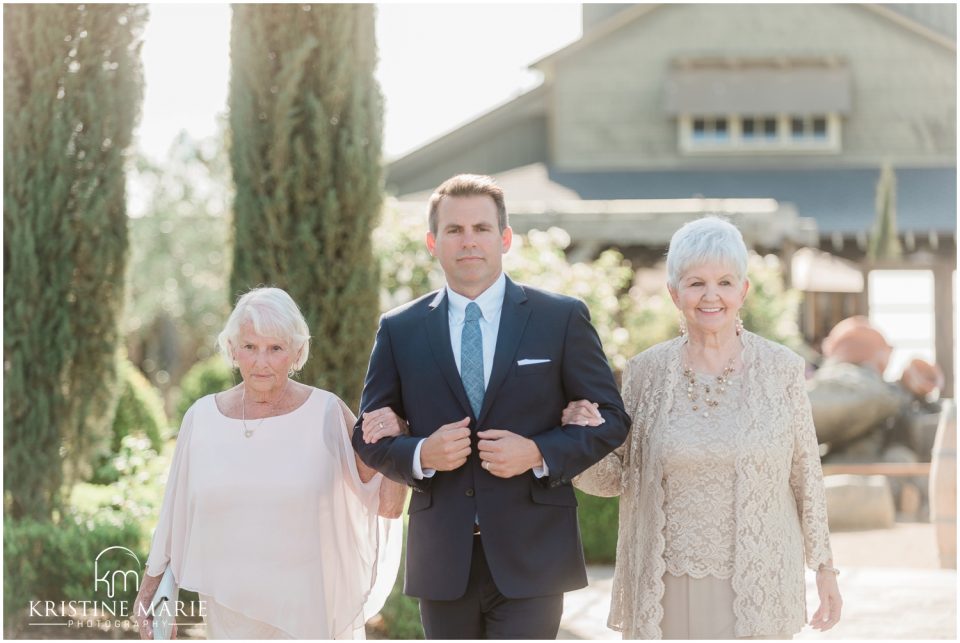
point(801, 104)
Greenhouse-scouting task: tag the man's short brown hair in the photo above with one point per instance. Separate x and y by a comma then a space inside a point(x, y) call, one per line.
point(468, 185)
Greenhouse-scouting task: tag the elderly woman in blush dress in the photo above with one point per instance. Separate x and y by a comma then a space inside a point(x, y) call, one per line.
point(720, 485)
point(268, 513)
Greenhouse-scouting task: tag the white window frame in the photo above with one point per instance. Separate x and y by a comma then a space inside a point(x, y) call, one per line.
point(710, 123)
point(736, 143)
point(759, 118)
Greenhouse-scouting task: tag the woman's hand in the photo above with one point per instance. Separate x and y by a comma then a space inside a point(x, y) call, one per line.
point(383, 423)
point(141, 608)
point(828, 614)
point(582, 412)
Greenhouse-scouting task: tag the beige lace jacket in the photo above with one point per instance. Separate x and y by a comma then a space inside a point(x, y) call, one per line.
point(780, 513)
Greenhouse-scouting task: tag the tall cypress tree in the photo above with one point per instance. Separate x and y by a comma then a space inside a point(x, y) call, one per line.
point(72, 85)
point(306, 119)
point(884, 242)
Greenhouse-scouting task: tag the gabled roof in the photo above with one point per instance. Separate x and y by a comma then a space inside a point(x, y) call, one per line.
point(596, 34)
point(531, 102)
point(908, 21)
point(628, 16)
point(939, 16)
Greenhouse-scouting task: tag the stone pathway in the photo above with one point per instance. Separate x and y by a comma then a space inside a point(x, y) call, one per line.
point(883, 599)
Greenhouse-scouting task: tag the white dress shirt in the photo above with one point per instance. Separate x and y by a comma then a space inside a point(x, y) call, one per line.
point(490, 302)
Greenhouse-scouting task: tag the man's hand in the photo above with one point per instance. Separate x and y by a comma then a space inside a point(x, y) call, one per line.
point(506, 454)
point(448, 447)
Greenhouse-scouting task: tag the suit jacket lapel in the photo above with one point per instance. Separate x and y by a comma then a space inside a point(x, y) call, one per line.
point(438, 334)
point(513, 320)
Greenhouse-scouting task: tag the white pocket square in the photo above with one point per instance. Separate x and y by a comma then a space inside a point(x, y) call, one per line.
point(528, 362)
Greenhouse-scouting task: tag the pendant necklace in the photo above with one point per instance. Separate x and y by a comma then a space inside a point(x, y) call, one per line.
point(247, 431)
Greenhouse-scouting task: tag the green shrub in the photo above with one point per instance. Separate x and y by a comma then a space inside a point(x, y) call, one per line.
point(212, 375)
point(771, 310)
point(400, 616)
point(138, 491)
point(136, 496)
point(139, 413)
point(538, 258)
point(54, 561)
point(599, 521)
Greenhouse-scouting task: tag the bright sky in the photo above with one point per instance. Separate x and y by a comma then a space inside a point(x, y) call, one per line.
point(440, 65)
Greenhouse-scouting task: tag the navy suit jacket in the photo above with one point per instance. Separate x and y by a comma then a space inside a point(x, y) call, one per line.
point(530, 533)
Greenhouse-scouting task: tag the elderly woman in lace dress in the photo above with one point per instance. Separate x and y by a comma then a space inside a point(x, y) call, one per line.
point(721, 491)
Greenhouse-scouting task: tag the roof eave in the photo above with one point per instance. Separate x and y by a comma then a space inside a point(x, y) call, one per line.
point(619, 20)
point(912, 25)
point(598, 32)
point(493, 119)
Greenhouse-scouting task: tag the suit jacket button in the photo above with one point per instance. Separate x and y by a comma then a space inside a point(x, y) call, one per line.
point(469, 493)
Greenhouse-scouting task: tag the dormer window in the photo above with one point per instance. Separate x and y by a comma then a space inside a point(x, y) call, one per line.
point(735, 133)
point(745, 106)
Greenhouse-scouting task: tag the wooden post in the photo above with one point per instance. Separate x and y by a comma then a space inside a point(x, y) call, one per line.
point(864, 300)
point(943, 321)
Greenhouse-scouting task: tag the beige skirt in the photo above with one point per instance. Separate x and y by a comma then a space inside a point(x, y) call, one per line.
point(701, 608)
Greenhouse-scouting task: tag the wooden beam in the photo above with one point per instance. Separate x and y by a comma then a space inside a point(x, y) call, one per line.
point(896, 469)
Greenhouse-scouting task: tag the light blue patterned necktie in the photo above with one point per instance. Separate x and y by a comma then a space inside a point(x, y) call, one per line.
point(471, 358)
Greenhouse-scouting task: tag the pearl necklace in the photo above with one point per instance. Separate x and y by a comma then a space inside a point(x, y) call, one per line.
point(721, 388)
point(247, 431)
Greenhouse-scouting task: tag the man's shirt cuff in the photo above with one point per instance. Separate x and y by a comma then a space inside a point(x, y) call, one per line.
point(419, 473)
point(541, 471)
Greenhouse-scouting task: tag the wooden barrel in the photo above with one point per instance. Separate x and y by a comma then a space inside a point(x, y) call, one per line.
point(943, 485)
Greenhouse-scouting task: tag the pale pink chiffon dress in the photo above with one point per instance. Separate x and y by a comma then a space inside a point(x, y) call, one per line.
point(276, 532)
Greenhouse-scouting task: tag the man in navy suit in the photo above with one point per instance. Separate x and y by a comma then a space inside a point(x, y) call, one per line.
point(481, 370)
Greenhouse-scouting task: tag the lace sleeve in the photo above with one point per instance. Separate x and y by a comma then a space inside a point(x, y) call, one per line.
point(806, 478)
point(605, 478)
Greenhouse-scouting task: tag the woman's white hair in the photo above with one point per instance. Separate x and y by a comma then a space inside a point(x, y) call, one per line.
point(707, 240)
point(273, 313)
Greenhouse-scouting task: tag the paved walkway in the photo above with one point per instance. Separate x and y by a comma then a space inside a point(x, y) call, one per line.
point(881, 600)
